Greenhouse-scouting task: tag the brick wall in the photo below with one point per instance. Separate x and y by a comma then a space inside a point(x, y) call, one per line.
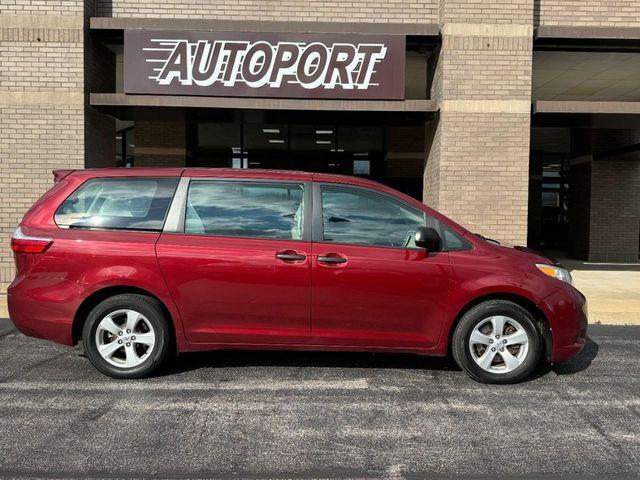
point(160, 143)
point(606, 13)
point(43, 7)
point(41, 104)
point(478, 161)
point(604, 201)
point(487, 67)
point(394, 11)
point(486, 11)
point(483, 172)
point(615, 211)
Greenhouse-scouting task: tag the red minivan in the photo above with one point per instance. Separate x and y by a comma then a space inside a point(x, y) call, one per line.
point(141, 263)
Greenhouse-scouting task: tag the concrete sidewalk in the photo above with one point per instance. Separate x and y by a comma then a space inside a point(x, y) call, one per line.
point(4, 313)
point(613, 291)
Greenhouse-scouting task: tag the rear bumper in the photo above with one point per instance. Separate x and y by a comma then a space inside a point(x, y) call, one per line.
point(566, 311)
point(44, 308)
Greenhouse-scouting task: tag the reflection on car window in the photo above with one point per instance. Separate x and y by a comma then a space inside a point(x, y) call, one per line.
point(118, 203)
point(355, 216)
point(245, 209)
point(454, 241)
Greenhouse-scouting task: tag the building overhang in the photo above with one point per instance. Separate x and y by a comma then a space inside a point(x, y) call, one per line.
point(586, 114)
point(561, 37)
point(127, 106)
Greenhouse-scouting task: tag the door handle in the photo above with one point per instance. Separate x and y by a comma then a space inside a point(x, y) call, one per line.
point(332, 259)
point(290, 256)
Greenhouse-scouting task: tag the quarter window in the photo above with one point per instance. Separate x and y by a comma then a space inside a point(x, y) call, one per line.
point(118, 203)
point(358, 217)
point(245, 209)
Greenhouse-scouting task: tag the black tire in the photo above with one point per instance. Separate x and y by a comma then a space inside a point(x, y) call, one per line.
point(462, 352)
point(152, 311)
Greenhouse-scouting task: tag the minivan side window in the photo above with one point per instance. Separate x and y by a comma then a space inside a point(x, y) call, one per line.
point(245, 209)
point(453, 241)
point(358, 217)
point(118, 204)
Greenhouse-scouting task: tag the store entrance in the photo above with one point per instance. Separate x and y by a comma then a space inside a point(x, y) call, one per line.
point(326, 148)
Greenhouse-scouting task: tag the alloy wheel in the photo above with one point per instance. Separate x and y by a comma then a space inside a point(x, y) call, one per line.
point(125, 338)
point(499, 344)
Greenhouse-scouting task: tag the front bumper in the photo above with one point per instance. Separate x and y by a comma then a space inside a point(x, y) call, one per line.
point(566, 311)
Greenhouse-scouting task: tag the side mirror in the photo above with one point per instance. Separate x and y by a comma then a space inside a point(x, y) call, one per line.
point(429, 239)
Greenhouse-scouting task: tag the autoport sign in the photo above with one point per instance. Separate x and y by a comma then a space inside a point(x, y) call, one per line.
point(246, 64)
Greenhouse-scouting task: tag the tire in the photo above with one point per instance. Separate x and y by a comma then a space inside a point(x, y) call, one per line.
point(476, 355)
point(127, 352)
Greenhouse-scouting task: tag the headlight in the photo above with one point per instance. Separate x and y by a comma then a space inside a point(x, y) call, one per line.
point(555, 272)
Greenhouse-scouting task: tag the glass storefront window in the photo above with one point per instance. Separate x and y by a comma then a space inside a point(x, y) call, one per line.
point(125, 144)
point(218, 145)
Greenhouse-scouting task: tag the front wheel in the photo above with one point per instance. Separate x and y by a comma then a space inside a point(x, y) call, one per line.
point(497, 342)
point(127, 336)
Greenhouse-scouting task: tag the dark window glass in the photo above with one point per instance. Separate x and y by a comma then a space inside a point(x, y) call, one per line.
point(245, 209)
point(118, 203)
point(355, 216)
point(453, 241)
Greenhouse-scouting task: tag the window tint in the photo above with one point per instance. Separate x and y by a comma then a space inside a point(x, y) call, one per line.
point(355, 216)
point(245, 209)
point(118, 203)
point(453, 241)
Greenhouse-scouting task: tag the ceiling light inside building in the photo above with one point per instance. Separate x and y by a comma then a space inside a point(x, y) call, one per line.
point(276, 140)
point(324, 132)
point(323, 142)
point(270, 130)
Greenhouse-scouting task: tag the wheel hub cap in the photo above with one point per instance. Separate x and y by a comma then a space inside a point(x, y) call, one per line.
point(498, 344)
point(125, 338)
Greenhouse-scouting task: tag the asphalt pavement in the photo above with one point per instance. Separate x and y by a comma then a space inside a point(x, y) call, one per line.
point(319, 415)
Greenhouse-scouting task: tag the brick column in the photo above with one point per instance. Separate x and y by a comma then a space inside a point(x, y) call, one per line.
point(478, 163)
point(41, 105)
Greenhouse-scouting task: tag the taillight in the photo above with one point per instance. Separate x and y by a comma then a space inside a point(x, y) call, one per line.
point(21, 243)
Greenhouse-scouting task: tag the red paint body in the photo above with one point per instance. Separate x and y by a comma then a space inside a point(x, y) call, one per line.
point(234, 292)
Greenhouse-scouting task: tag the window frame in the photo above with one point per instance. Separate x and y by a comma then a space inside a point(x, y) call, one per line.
point(119, 229)
point(175, 223)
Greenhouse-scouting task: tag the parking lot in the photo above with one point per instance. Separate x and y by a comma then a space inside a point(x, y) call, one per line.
point(281, 414)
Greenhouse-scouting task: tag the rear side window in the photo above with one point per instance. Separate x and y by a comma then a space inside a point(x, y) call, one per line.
point(119, 204)
point(245, 209)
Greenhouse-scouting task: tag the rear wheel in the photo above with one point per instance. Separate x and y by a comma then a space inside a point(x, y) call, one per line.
point(127, 336)
point(497, 342)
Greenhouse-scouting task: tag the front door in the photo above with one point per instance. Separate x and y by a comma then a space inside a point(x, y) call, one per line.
point(371, 286)
point(240, 272)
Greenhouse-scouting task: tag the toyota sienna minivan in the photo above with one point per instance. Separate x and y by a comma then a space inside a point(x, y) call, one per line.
point(138, 264)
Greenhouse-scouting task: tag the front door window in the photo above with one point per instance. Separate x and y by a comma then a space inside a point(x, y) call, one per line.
point(358, 217)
